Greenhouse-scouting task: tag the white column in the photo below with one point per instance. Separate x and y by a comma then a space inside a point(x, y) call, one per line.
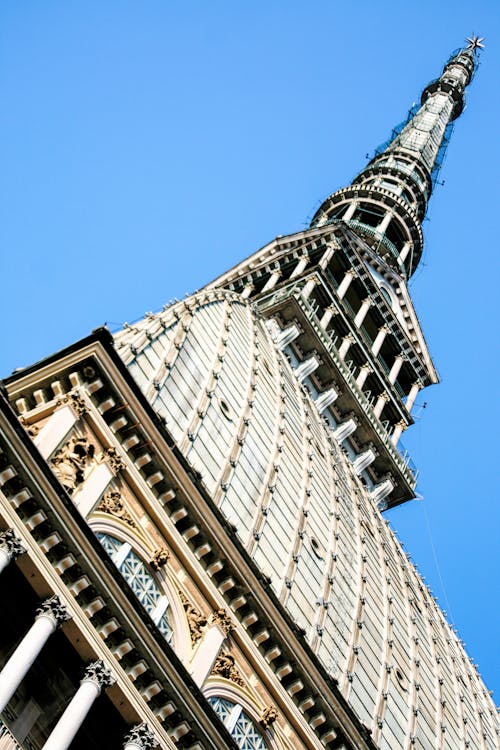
point(272, 281)
point(286, 336)
point(300, 267)
point(247, 291)
point(97, 676)
point(344, 430)
point(209, 647)
point(345, 283)
point(140, 737)
point(379, 339)
point(412, 396)
point(306, 367)
point(55, 430)
point(379, 406)
point(325, 399)
point(380, 492)
point(10, 547)
point(398, 430)
point(361, 314)
point(87, 495)
point(345, 346)
point(364, 371)
point(363, 460)
point(404, 251)
point(350, 211)
point(327, 316)
point(396, 367)
point(308, 287)
point(326, 257)
point(49, 615)
point(385, 222)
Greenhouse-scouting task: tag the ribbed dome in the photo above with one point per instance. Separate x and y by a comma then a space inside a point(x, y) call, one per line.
point(209, 366)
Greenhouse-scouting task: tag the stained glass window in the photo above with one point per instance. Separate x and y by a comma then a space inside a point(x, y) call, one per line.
point(141, 581)
point(239, 724)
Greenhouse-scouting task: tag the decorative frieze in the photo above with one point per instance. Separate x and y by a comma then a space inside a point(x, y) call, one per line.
point(221, 618)
point(113, 459)
point(160, 558)
point(225, 667)
point(196, 620)
point(112, 503)
point(72, 461)
point(75, 401)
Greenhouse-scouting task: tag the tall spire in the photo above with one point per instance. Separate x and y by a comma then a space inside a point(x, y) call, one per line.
point(387, 201)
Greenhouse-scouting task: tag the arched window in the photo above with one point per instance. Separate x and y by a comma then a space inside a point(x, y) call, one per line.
point(141, 581)
point(240, 726)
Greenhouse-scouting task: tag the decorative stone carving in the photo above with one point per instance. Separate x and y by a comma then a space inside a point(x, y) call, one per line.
point(220, 617)
point(98, 673)
point(225, 667)
point(140, 736)
point(75, 401)
point(268, 716)
point(196, 620)
point(71, 462)
point(113, 459)
point(31, 429)
point(160, 558)
point(54, 608)
point(11, 544)
point(112, 503)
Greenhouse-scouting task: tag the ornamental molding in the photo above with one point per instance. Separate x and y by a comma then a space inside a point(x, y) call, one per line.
point(268, 716)
point(31, 429)
point(70, 464)
point(225, 667)
point(75, 401)
point(53, 608)
point(112, 504)
point(11, 543)
point(160, 558)
point(99, 674)
point(221, 618)
point(140, 736)
point(196, 620)
point(112, 457)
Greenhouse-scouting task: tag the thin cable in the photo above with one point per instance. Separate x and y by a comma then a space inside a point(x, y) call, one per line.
point(436, 563)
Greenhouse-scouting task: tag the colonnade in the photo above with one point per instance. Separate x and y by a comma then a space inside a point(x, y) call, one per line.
point(97, 676)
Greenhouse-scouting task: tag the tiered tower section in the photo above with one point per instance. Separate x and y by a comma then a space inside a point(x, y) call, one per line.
point(338, 298)
point(387, 201)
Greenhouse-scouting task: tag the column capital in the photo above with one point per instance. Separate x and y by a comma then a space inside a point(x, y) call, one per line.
point(11, 543)
point(53, 608)
point(99, 674)
point(221, 618)
point(384, 328)
point(141, 737)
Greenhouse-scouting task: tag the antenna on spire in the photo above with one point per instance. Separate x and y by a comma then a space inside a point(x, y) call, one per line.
point(475, 43)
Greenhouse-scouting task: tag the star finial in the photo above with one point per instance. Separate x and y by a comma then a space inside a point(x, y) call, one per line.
point(475, 43)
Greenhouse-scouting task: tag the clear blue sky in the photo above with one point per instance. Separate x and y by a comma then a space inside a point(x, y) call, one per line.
point(148, 146)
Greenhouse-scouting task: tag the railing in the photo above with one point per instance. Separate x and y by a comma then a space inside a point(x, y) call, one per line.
point(371, 232)
point(7, 739)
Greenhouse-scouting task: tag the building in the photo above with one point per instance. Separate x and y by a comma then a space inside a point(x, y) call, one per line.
point(193, 551)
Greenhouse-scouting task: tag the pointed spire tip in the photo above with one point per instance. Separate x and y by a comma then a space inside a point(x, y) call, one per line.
point(475, 43)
